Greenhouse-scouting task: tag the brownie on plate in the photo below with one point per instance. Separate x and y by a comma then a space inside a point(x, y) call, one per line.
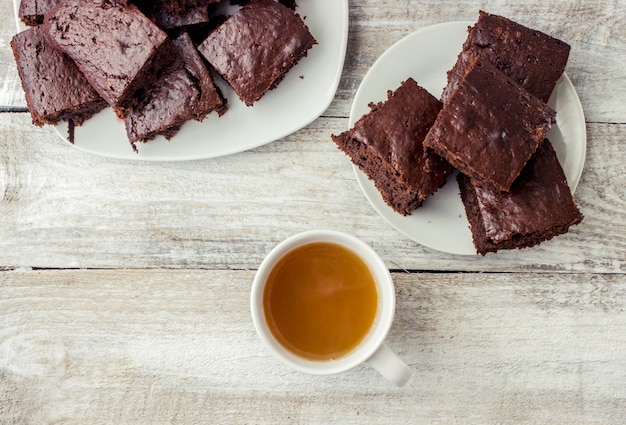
point(386, 144)
point(54, 87)
point(490, 126)
point(256, 46)
point(538, 207)
point(31, 11)
point(184, 92)
point(534, 59)
point(118, 49)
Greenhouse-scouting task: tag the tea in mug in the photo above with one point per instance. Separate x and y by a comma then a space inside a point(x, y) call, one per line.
point(320, 300)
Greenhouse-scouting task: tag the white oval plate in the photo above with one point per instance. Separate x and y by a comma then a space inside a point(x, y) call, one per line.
point(426, 55)
point(305, 93)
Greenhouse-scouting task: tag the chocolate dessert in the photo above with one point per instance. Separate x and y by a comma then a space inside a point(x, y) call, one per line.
point(54, 87)
point(386, 144)
point(119, 50)
point(538, 206)
point(184, 92)
point(533, 59)
point(31, 11)
point(166, 21)
point(256, 46)
point(490, 126)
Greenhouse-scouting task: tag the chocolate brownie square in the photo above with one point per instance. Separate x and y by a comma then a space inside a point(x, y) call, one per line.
point(256, 46)
point(54, 87)
point(31, 11)
point(386, 144)
point(184, 92)
point(534, 59)
point(538, 207)
point(118, 49)
point(490, 126)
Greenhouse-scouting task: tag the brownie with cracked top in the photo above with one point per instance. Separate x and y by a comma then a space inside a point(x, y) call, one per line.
point(184, 92)
point(119, 50)
point(54, 87)
point(538, 207)
point(256, 46)
point(490, 126)
point(386, 144)
point(534, 59)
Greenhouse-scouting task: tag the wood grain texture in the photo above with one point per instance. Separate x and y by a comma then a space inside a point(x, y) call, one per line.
point(63, 208)
point(154, 346)
point(124, 286)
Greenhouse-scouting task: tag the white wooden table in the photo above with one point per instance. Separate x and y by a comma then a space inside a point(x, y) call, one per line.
point(124, 286)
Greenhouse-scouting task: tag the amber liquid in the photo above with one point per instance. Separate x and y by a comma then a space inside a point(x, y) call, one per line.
point(320, 301)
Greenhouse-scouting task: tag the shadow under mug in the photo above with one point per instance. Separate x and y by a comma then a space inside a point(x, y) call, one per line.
point(372, 349)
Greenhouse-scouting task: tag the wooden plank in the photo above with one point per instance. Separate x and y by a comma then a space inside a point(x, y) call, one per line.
point(157, 346)
point(64, 208)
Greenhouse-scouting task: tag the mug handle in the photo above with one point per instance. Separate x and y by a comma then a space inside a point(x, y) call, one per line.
point(388, 364)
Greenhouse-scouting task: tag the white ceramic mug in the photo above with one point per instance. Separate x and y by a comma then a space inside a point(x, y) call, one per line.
point(372, 348)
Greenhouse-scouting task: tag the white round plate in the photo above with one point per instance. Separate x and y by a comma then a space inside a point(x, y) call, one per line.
point(302, 96)
point(426, 56)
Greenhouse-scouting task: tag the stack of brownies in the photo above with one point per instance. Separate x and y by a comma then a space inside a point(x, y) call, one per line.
point(152, 61)
point(490, 125)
